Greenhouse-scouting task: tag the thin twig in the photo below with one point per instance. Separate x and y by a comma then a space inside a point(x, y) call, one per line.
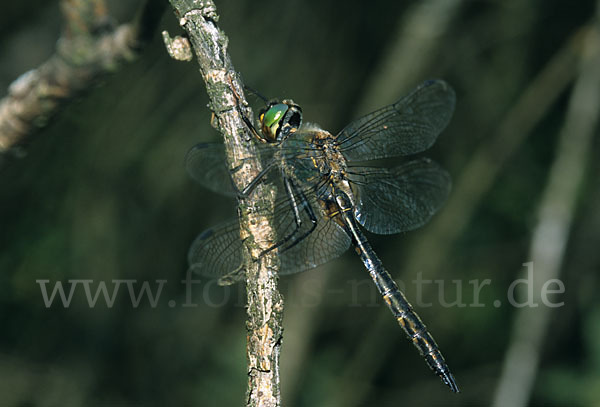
point(88, 49)
point(551, 233)
point(227, 101)
point(416, 41)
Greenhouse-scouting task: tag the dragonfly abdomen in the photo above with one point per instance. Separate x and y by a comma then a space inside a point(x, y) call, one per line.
point(414, 328)
point(399, 305)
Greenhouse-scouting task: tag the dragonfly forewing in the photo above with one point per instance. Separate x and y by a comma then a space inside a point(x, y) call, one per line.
point(206, 164)
point(406, 127)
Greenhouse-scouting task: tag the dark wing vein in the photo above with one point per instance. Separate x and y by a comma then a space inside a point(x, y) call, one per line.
point(206, 164)
point(218, 252)
point(401, 198)
point(406, 127)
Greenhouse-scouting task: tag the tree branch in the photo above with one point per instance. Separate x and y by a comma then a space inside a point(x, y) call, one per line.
point(228, 104)
point(88, 49)
point(551, 234)
point(415, 44)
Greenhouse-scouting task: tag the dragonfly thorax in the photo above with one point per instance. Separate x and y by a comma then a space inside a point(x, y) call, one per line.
point(318, 161)
point(332, 163)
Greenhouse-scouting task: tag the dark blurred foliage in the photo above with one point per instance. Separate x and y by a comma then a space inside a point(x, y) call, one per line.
point(102, 194)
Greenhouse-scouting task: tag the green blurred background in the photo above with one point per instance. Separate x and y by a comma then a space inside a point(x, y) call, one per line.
point(102, 194)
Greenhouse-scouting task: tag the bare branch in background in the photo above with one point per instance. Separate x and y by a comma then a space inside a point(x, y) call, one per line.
point(479, 173)
point(551, 233)
point(228, 103)
point(88, 49)
point(420, 33)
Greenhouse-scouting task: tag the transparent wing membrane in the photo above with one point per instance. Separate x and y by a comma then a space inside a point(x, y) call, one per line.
point(398, 199)
point(406, 127)
point(217, 253)
point(303, 244)
point(325, 240)
point(206, 164)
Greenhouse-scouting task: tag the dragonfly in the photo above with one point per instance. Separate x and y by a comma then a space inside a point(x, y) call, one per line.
point(325, 194)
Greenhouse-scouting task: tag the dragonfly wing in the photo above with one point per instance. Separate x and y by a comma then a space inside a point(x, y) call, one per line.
point(401, 198)
point(327, 241)
point(206, 164)
point(406, 127)
point(307, 238)
point(217, 253)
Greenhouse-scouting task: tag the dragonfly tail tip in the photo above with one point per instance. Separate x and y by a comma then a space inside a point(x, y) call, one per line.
point(448, 379)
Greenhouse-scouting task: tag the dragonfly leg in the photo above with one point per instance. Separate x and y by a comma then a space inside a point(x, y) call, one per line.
point(238, 107)
point(252, 185)
point(292, 192)
point(248, 189)
point(250, 126)
point(291, 188)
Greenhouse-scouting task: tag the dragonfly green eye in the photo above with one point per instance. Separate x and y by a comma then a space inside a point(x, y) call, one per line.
point(270, 119)
point(274, 114)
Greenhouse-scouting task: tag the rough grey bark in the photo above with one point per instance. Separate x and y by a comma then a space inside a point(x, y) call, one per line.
point(228, 104)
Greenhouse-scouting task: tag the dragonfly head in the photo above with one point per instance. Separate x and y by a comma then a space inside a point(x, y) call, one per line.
point(279, 119)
